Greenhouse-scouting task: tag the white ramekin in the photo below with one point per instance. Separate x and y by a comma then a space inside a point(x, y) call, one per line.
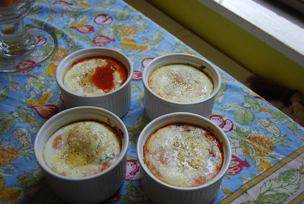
point(90, 189)
point(117, 101)
point(160, 192)
point(156, 106)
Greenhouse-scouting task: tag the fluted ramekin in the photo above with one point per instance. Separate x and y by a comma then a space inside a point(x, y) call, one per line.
point(117, 101)
point(89, 189)
point(161, 192)
point(156, 106)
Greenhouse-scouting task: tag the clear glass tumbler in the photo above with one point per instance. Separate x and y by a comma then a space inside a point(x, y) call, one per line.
point(21, 46)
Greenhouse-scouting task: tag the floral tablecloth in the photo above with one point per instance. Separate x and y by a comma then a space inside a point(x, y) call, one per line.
point(267, 163)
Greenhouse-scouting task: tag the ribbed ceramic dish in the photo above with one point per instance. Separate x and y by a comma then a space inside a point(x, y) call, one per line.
point(117, 101)
point(156, 106)
point(90, 189)
point(161, 192)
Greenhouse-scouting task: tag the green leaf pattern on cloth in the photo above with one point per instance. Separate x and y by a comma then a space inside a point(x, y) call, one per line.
point(4, 93)
point(244, 116)
point(279, 188)
point(6, 123)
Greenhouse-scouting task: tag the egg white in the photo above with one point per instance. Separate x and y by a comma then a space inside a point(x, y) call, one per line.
point(180, 83)
point(178, 156)
point(78, 78)
point(106, 143)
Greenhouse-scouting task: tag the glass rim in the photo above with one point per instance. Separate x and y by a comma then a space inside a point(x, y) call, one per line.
point(15, 11)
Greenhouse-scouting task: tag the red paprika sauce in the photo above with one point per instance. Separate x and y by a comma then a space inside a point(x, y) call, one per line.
point(103, 77)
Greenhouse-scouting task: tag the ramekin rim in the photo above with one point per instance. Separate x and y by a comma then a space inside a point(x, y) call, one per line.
point(214, 92)
point(123, 151)
point(59, 80)
point(212, 181)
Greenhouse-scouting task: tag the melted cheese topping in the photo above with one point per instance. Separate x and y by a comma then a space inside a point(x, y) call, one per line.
point(78, 78)
point(82, 149)
point(180, 83)
point(183, 155)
